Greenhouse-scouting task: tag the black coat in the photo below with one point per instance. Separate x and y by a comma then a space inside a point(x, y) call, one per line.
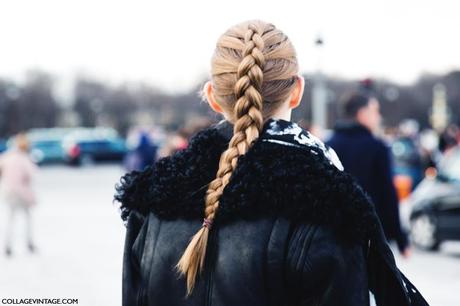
point(291, 228)
point(368, 159)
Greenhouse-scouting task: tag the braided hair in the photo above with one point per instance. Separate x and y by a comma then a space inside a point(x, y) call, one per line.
point(254, 69)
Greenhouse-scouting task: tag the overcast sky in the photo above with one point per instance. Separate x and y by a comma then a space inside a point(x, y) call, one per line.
point(169, 43)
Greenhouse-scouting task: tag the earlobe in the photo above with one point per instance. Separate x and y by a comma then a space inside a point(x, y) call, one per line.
point(208, 92)
point(297, 93)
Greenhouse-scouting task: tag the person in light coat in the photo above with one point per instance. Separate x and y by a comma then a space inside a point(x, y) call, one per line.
point(16, 183)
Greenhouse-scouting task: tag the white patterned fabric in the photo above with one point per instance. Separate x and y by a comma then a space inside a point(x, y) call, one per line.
point(291, 134)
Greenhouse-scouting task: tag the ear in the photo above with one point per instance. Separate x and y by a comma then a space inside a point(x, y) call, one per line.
point(208, 93)
point(297, 92)
point(362, 115)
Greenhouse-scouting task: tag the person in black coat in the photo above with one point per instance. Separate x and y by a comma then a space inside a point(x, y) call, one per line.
point(369, 160)
point(255, 211)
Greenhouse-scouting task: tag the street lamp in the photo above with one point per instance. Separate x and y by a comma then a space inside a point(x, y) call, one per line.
point(319, 92)
point(439, 112)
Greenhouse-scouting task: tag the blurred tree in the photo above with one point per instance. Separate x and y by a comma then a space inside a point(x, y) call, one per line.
point(30, 105)
point(88, 97)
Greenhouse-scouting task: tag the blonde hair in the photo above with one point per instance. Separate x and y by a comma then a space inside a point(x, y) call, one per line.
point(253, 71)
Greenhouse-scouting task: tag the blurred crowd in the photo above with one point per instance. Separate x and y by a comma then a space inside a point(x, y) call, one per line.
point(418, 152)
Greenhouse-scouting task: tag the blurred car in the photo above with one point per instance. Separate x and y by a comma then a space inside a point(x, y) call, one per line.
point(46, 144)
point(47, 151)
point(435, 213)
point(3, 146)
point(87, 146)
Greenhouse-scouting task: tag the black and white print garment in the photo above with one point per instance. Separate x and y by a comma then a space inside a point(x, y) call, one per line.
point(291, 134)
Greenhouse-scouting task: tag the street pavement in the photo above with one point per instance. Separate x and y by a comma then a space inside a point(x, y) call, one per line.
point(436, 275)
point(79, 236)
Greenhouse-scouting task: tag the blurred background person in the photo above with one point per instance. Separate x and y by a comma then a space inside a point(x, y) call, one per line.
point(16, 177)
point(407, 153)
point(176, 141)
point(449, 139)
point(368, 159)
point(144, 153)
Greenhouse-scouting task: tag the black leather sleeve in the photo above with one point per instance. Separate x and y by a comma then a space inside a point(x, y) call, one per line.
point(133, 247)
point(323, 272)
point(389, 285)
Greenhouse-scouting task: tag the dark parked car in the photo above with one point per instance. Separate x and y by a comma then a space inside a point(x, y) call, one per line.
point(435, 215)
point(92, 145)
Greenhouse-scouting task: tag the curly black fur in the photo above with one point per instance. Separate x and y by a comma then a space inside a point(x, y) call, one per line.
point(175, 184)
point(271, 179)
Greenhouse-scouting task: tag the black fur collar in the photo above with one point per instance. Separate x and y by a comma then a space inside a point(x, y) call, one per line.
point(286, 172)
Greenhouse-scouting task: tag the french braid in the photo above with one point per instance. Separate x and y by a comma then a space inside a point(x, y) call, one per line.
point(248, 119)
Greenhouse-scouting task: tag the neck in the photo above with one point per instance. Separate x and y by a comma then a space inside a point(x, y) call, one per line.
point(358, 123)
point(285, 115)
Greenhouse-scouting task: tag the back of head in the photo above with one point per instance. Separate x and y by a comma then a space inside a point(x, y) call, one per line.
point(22, 142)
point(256, 58)
point(352, 102)
point(253, 71)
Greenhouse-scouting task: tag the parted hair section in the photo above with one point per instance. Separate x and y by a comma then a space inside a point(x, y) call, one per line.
point(253, 71)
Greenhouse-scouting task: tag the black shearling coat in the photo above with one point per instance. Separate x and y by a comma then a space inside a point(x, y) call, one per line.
point(291, 229)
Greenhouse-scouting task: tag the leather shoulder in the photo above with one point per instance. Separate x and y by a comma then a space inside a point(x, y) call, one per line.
point(318, 264)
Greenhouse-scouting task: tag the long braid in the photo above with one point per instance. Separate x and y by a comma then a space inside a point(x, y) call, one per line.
point(247, 126)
